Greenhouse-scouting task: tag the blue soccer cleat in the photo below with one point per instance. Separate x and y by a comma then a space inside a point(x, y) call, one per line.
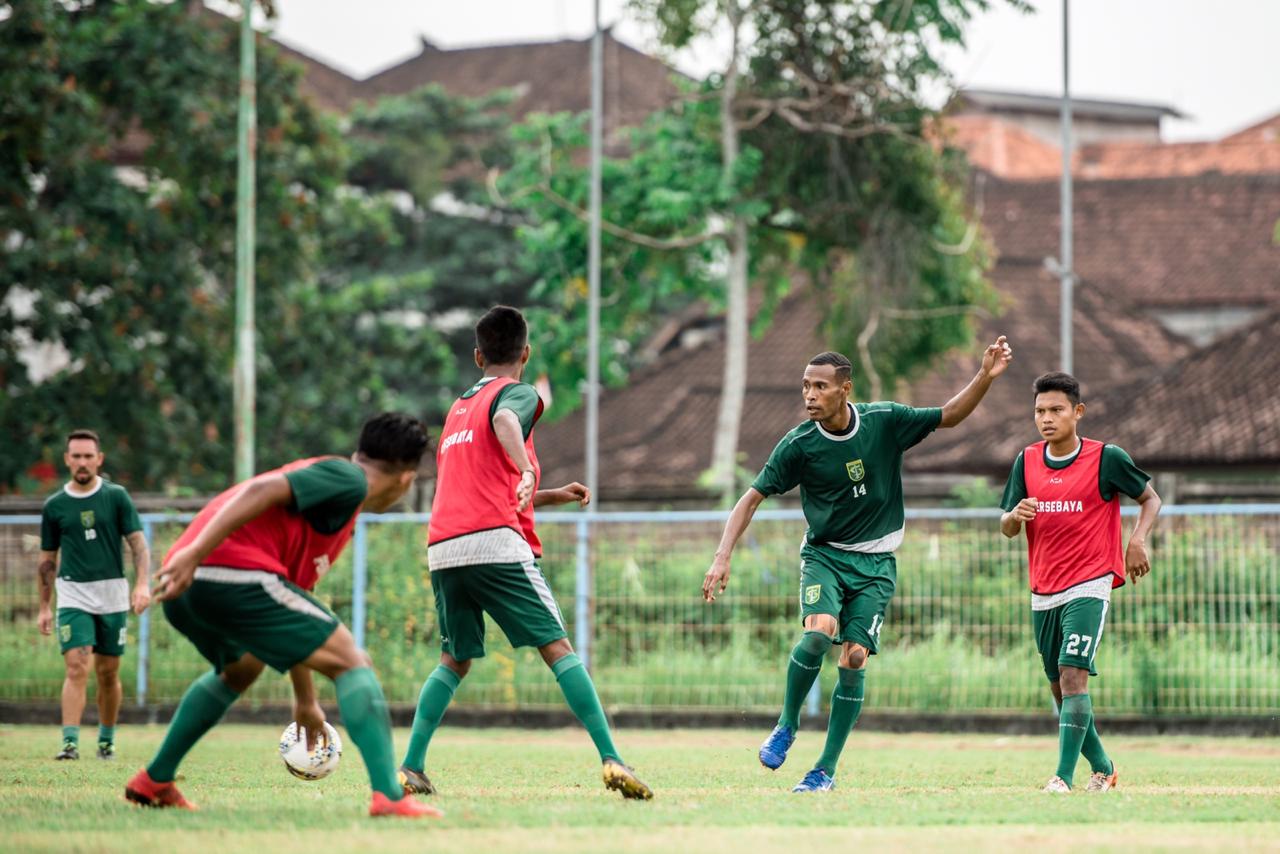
point(816, 780)
point(774, 750)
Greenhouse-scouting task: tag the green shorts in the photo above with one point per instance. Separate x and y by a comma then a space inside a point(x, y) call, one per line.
point(228, 612)
point(1068, 635)
point(106, 633)
point(516, 595)
point(853, 587)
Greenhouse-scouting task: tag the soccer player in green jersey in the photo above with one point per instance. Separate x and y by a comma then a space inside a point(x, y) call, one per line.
point(1065, 490)
point(85, 521)
point(847, 461)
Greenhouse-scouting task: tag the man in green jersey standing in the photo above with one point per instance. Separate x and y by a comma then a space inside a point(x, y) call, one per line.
point(85, 521)
point(847, 461)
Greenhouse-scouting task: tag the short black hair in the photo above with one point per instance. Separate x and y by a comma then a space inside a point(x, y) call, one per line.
point(394, 439)
point(83, 433)
point(844, 368)
point(1058, 381)
point(501, 335)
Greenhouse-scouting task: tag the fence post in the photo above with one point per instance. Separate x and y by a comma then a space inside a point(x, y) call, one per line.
point(359, 580)
point(582, 593)
point(144, 631)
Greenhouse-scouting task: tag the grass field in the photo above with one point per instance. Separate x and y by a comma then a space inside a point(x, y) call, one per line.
point(517, 790)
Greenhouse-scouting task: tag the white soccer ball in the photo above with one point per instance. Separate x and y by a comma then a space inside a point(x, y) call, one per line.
point(310, 765)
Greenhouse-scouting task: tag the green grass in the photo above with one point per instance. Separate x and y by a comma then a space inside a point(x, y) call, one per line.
point(518, 790)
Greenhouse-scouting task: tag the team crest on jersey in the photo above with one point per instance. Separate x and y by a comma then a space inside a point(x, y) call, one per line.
point(855, 470)
point(86, 518)
point(812, 593)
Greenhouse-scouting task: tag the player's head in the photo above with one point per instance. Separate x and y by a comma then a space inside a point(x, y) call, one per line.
point(502, 338)
point(390, 449)
point(83, 455)
point(1057, 406)
point(828, 382)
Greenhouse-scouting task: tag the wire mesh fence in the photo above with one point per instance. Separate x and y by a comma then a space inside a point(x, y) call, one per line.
point(1201, 635)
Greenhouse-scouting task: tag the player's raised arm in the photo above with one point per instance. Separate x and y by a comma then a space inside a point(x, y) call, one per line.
point(717, 577)
point(566, 494)
point(994, 361)
point(258, 496)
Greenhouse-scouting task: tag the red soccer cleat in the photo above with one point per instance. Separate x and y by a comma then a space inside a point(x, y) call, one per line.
point(146, 792)
point(406, 807)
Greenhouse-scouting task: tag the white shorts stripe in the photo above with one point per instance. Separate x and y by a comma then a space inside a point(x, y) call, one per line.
point(543, 589)
point(1102, 621)
point(270, 582)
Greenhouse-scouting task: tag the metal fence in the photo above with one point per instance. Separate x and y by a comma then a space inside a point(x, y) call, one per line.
point(1201, 635)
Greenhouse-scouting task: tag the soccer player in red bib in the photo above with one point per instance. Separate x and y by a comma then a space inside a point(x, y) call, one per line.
point(483, 552)
point(237, 584)
point(1066, 490)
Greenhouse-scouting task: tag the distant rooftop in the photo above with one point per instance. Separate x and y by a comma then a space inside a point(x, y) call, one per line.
point(996, 100)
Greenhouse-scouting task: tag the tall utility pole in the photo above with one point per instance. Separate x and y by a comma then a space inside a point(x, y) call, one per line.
point(593, 264)
point(1066, 262)
point(245, 381)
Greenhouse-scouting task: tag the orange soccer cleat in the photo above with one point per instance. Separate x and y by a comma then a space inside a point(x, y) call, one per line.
point(146, 792)
point(406, 807)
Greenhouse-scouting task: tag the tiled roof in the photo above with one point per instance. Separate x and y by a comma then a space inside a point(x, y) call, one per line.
point(1249, 155)
point(1160, 242)
point(1267, 130)
point(1217, 406)
point(1002, 148)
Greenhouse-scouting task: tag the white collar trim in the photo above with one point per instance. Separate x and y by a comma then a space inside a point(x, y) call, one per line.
point(97, 486)
point(1065, 457)
point(857, 422)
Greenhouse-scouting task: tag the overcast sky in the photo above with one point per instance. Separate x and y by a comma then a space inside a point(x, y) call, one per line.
point(1215, 61)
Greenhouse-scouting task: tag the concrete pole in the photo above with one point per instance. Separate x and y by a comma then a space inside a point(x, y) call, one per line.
point(245, 391)
point(1066, 261)
point(593, 265)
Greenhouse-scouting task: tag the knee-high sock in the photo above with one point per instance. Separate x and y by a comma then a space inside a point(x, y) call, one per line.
point(204, 704)
point(580, 693)
point(1073, 724)
point(364, 711)
point(1092, 750)
point(846, 703)
point(436, 694)
point(802, 669)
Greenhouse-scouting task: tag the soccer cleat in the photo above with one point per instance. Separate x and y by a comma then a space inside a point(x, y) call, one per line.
point(106, 750)
point(144, 791)
point(817, 780)
point(69, 751)
point(406, 807)
point(774, 750)
point(1102, 782)
point(620, 778)
point(414, 782)
point(1057, 786)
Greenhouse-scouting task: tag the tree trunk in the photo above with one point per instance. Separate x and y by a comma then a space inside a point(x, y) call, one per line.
point(724, 455)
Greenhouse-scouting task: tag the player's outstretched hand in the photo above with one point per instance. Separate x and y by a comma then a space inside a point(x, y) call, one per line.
point(572, 492)
point(997, 357)
point(175, 576)
point(716, 580)
point(310, 717)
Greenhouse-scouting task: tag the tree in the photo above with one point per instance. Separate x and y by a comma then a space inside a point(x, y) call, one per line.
point(811, 151)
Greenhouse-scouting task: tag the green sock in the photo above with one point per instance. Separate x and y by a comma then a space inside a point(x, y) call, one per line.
point(1077, 715)
point(204, 704)
point(106, 734)
point(580, 692)
point(806, 661)
point(364, 712)
point(71, 734)
point(437, 691)
point(846, 703)
point(1092, 750)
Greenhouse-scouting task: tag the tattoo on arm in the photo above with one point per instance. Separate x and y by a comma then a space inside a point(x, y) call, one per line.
point(46, 571)
point(141, 555)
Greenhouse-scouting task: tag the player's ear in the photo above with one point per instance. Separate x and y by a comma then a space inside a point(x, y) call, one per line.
point(1079, 410)
point(524, 357)
point(479, 359)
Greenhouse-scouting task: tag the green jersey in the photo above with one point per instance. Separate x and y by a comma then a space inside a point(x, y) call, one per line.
point(850, 483)
point(86, 528)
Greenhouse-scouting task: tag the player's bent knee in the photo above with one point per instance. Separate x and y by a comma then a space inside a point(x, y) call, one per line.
point(854, 656)
point(241, 674)
point(337, 655)
point(1072, 681)
point(461, 668)
point(107, 666)
point(824, 623)
point(556, 650)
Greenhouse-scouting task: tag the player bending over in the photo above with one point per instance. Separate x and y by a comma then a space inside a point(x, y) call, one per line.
point(847, 461)
point(237, 584)
point(483, 552)
point(1066, 491)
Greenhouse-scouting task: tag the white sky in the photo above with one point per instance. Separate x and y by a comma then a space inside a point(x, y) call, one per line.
point(1215, 61)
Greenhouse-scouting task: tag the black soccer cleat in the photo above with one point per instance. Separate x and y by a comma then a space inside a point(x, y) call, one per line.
point(69, 751)
point(621, 778)
point(415, 782)
point(106, 750)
